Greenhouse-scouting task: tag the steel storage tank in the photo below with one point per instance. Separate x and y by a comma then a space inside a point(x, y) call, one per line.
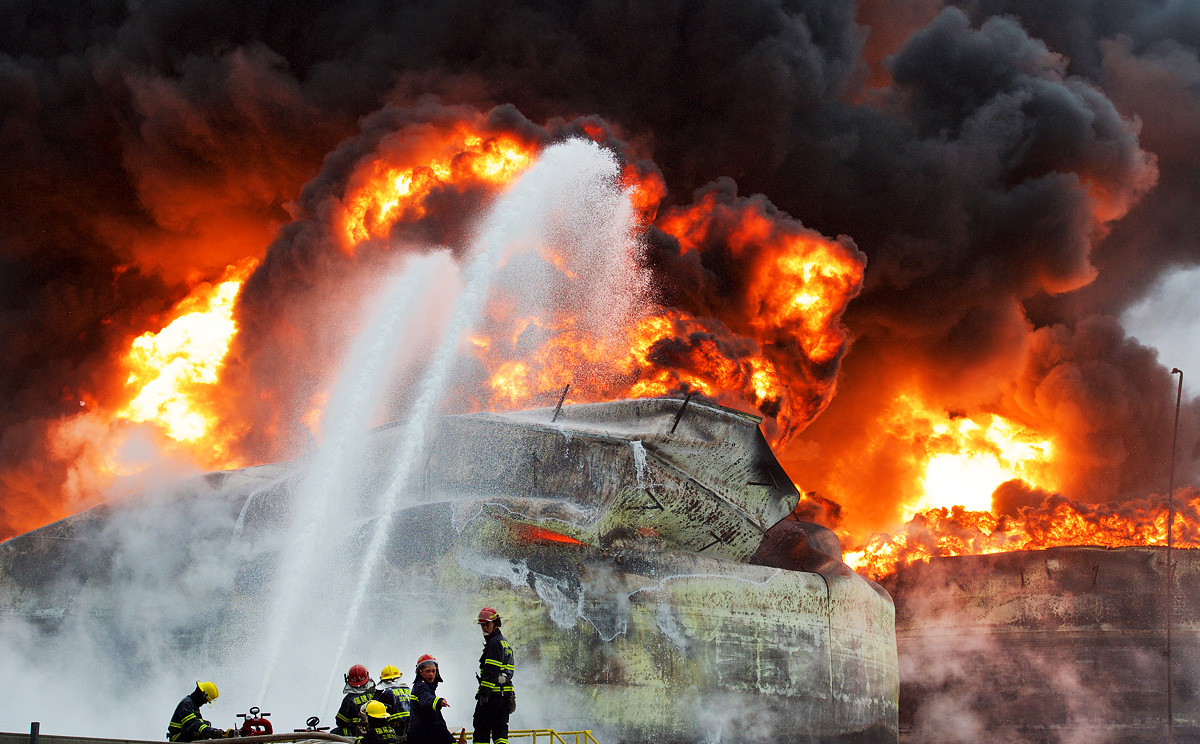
point(1060, 645)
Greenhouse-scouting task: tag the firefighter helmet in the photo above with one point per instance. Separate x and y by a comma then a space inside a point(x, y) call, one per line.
point(389, 672)
point(357, 676)
point(425, 660)
point(487, 614)
point(209, 690)
point(376, 709)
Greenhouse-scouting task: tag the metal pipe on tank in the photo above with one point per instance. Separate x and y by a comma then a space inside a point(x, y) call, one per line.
point(560, 402)
point(679, 413)
point(1170, 570)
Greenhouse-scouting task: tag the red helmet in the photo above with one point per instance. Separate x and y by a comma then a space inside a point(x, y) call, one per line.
point(487, 614)
point(358, 677)
point(425, 660)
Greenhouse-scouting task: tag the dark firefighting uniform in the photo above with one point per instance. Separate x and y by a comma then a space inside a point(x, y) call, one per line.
point(494, 696)
point(349, 715)
point(426, 725)
point(395, 699)
point(378, 731)
point(186, 724)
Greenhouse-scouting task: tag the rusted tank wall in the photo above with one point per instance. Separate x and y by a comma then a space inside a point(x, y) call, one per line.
point(1061, 645)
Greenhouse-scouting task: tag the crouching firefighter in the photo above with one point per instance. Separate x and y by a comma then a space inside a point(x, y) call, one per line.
point(495, 699)
point(187, 725)
point(377, 729)
point(359, 691)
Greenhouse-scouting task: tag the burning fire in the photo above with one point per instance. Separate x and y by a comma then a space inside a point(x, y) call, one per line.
point(968, 457)
point(629, 365)
point(966, 464)
point(391, 191)
point(785, 289)
point(175, 369)
point(1055, 522)
point(797, 284)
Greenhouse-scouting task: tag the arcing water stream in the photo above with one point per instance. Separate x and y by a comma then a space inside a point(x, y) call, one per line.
point(570, 198)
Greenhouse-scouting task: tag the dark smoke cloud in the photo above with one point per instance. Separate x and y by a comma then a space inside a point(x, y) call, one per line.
point(983, 175)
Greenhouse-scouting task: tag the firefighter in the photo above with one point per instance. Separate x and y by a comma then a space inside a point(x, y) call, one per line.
point(359, 691)
point(394, 695)
point(426, 724)
point(495, 699)
point(187, 725)
point(377, 726)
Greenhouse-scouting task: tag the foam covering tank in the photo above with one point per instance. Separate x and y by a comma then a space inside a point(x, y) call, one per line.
point(642, 552)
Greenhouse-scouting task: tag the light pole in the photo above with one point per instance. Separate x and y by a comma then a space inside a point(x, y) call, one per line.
point(1170, 571)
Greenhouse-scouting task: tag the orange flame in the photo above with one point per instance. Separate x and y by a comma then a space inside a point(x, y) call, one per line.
point(967, 457)
point(174, 372)
point(533, 533)
point(390, 191)
point(624, 365)
point(987, 485)
point(1055, 522)
point(800, 282)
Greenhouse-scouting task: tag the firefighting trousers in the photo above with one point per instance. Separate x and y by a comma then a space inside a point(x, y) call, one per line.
point(491, 720)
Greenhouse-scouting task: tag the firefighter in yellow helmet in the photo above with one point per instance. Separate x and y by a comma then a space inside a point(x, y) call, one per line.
point(394, 694)
point(377, 728)
point(187, 725)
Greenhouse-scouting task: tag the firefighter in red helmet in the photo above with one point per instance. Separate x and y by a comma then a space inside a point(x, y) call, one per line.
point(495, 699)
point(426, 724)
point(359, 691)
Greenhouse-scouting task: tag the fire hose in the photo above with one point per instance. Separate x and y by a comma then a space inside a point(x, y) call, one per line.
point(294, 736)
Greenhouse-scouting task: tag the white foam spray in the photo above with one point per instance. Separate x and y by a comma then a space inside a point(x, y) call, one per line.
point(354, 398)
point(564, 177)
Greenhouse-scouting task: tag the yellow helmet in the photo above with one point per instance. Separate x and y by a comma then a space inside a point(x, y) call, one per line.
point(389, 672)
point(376, 709)
point(209, 690)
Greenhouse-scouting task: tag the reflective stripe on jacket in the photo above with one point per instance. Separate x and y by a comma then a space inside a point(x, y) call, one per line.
point(497, 659)
point(186, 724)
point(348, 715)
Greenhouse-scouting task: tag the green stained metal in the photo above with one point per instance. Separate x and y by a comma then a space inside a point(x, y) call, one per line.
point(655, 625)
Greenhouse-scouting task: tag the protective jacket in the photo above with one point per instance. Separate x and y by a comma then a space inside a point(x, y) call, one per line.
point(426, 724)
point(186, 724)
point(495, 693)
point(495, 667)
point(349, 715)
point(378, 731)
point(395, 699)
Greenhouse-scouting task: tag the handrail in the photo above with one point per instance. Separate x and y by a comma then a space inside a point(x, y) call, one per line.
point(323, 736)
point(555, 737)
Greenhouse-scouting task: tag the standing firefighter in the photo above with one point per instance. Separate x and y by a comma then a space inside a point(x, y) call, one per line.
point(394, 695)
point(495, 698)
point(186, 724)
point(359, 691)
point(426, 724)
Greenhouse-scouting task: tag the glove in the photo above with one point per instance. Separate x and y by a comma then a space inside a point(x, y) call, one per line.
point(512, 702)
